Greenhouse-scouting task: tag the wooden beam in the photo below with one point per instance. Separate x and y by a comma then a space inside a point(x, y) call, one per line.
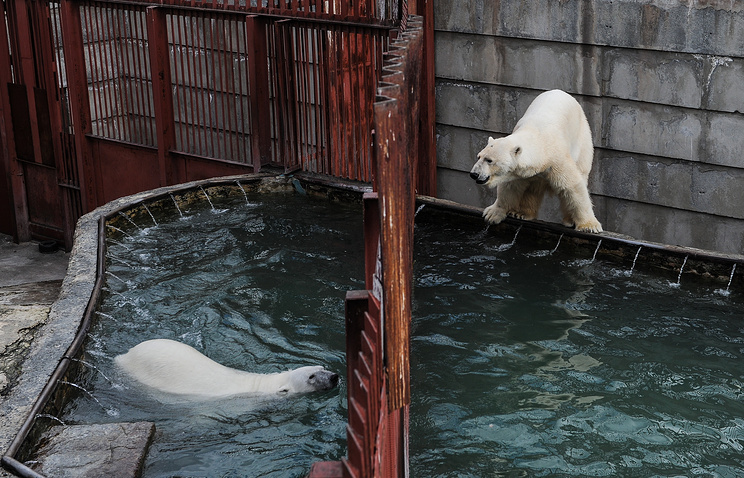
point(77, 84)
point(162, 92)
point(258, 71)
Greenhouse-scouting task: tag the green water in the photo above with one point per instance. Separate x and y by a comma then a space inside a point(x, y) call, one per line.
point(524, 363)
point(255, 286)
point(531, 364)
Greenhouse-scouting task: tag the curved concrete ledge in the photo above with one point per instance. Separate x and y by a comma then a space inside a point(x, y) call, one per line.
point(48, 349)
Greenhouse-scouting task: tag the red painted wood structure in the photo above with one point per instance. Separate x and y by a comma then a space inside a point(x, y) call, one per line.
point(104, 98)
point(378, 319)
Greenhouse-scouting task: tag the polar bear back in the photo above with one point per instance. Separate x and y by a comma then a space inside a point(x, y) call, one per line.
point(557, 116)
point(176, 368)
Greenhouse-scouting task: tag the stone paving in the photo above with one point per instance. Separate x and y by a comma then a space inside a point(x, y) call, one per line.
point(30, 282)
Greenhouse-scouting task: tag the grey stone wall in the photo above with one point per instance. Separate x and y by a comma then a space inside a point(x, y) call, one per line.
point(662, 84)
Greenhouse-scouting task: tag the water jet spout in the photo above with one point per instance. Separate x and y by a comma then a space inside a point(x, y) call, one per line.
point(207, 196)
point(128, 219)
point(50, 417)
point(418, 210)
point(558, 244)
point(634, 260)
point(596, 250)
point(109, 411)
point(148, 212)
point(679, 277)
point(176, 204)
point(504, 247)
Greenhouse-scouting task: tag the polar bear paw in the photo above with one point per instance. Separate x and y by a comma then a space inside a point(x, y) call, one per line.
point(494, 214)
point(517, 214)
point(590, 226)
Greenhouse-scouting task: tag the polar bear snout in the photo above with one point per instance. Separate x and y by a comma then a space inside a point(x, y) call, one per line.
point(309, 379)
point(478, 178)
point(479, 173)
point(323, 380)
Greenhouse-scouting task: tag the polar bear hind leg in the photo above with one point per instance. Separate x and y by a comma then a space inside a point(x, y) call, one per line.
point(576, 206)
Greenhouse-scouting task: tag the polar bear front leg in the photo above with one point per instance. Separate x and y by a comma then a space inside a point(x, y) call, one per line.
point(494, 213)
point(508, 198)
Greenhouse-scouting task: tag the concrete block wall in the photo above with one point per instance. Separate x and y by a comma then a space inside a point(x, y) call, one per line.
point(662, 84)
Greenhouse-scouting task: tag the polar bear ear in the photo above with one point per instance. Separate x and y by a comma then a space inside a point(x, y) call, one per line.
point(490, 140)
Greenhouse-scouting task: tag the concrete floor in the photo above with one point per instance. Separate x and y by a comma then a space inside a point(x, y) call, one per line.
point(43, 298)
point(30, 282)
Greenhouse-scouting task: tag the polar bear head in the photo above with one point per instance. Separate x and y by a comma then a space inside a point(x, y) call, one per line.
point(497, 162)
point(307, 379)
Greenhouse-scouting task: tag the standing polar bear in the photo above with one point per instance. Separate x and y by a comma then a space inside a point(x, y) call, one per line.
point(178, 369)
point(550, 149)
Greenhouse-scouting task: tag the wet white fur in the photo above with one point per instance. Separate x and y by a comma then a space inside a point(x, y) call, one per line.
point(550, 149)
point(176, 368)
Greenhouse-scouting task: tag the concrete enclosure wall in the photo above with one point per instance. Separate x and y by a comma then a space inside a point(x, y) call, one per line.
point(662, 84)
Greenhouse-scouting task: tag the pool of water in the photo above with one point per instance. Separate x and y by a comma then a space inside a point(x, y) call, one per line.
point(255, 284)
point(525, 361)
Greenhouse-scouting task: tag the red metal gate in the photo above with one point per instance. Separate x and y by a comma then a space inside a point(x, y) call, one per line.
point(108, 98)
point(38, 152)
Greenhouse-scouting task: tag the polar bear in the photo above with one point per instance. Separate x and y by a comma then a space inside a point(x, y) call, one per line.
point(550, 149)
point(175, 368)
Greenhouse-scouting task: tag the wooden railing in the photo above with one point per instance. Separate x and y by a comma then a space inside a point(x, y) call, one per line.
point(378, 319)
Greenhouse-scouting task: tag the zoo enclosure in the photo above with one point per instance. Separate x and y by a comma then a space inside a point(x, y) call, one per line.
point(119, 97)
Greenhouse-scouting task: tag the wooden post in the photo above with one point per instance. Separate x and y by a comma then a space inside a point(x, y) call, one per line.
point(427, 171)
point(395, 191)
point(162, 92)
point(77, 84)
point(10, 166)
point(258, 78)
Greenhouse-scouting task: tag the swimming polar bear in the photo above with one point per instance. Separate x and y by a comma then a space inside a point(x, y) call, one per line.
point(550, 149)
point(178, 369)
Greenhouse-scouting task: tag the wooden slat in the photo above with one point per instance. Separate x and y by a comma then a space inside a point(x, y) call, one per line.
point(395, 187)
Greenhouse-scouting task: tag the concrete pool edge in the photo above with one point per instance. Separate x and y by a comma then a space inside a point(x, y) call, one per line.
point(677, 254)
point(50, 347)
point(46, 356)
